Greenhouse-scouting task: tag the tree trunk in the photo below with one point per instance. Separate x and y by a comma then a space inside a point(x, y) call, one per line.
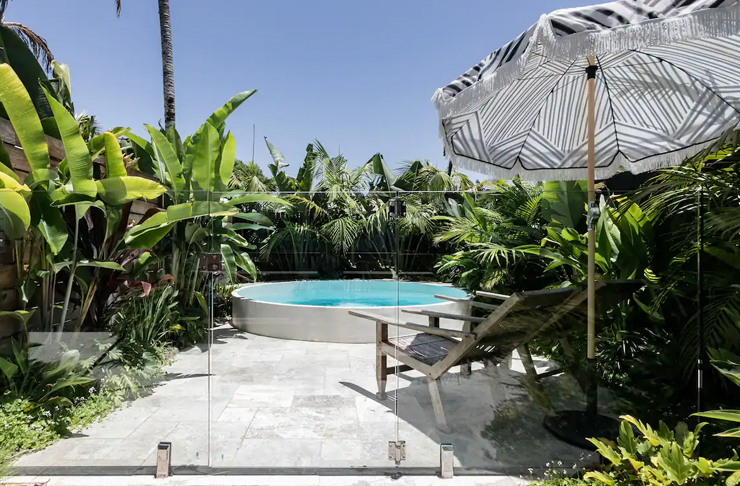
point(168, 71)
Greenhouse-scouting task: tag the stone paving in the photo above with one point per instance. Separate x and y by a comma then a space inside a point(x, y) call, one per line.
point(290, 404)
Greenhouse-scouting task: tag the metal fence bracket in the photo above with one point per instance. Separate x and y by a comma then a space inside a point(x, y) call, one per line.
point(446, 461)
point(210, 263)
point(164, 460)
point(397, 451)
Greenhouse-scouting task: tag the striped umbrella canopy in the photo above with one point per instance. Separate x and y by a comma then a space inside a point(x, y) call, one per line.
point(592, 91)
point(667, 84)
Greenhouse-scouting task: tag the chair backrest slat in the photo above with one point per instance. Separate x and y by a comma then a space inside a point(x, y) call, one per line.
point(516, 321)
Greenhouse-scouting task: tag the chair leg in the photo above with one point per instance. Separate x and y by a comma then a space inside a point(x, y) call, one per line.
point(466, 369)
point(439, 412)
point(381, 360)
point(527, 361)
point(381, 374)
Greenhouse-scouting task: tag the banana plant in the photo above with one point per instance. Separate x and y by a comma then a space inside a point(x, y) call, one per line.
point(47, 193)
point(196, 172)
point(45, 229)
point(624, 237)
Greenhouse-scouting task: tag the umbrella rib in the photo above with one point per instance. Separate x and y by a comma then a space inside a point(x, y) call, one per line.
point(691, 76)
point(611, 108)
point(544, 103)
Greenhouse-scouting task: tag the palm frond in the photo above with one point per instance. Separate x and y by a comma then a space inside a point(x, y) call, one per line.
point(342, 233)
point(35, 42)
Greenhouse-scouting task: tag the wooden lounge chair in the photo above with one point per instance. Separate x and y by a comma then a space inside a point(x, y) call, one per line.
point(433, 350)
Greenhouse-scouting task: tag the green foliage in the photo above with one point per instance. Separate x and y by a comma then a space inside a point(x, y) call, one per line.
point(155, 319)
point(657, 457)
point(222, 300)
point(24, 430)
point(728, 364)
point(487, 229)
point(564, 203)
point(40, 382)
point(624, 242)
point(15, 53)
point(554, 477)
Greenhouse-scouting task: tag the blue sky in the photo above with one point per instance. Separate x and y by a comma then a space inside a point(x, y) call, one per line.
point(356, 75)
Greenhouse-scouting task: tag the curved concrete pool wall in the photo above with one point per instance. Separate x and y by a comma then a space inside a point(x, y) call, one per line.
point(327, 324)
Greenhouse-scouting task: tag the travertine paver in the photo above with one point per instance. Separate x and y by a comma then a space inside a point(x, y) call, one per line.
point(285, 404)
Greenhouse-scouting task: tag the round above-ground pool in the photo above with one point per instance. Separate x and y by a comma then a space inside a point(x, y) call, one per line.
point(318, 310)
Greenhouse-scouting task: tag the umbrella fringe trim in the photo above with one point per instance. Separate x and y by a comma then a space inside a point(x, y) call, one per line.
point(702, 24)
point(620, 164)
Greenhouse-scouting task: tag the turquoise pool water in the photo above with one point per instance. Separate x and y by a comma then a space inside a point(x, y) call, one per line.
point(349, 293)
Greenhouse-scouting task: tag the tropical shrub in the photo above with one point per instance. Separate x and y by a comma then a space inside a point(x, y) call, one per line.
point(486, 229)
point(659, 457)
point(60, 200)
point(43, 383)
point(148, 320)
point(221, 304)
point(25, 428)
point(340, 219)
point(197, 173)
point(728, 364)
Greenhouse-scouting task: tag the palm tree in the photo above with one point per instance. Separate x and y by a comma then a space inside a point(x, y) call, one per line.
point(168, 70)
point(487, 229)
point(35, 42)
point(697, 207)
point(250, 178)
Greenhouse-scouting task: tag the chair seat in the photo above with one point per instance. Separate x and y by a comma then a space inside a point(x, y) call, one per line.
point(427, 348)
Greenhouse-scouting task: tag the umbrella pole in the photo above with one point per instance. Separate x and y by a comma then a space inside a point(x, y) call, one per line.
point(591, 391)
point(573, 426)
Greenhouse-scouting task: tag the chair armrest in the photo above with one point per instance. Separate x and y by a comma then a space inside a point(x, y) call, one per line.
point(491, 295)
point(445, 315)
point(437, 331)
point(467, 301)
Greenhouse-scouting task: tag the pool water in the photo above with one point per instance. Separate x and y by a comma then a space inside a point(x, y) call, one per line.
point(349, 293)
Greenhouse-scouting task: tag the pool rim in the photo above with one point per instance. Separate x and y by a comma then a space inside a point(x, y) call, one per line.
point(441, 301)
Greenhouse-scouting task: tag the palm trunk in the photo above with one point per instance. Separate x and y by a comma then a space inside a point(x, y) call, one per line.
point(168, 71)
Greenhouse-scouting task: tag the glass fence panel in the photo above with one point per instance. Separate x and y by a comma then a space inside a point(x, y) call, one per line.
point(294, 359)
point(510, 383)
point(244, 330)
point(104, 349)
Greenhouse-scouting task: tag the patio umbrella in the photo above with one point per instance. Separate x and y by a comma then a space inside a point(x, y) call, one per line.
point(588, 92)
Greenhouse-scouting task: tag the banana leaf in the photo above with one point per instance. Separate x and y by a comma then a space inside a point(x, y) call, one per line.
point(219, 116)
point(17, 215)
point(259, 198)
point(565, 202)
point(168, 165)
point(225, 163)
point(162, 222)
point(117, 191)
point(48, 220)
point(227, 255)
point(114, 166)
point(258, 218)
point(15, 52)
point(26, 123)
point(202, 163)
point(76, 152)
